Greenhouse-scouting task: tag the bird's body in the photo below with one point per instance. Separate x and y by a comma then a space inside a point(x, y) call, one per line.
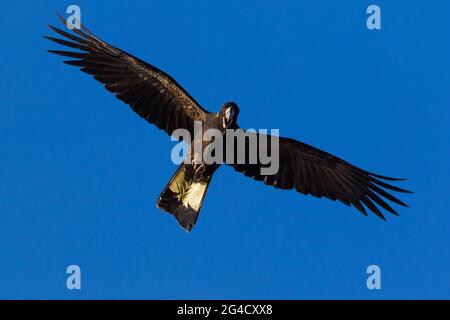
point(159, 99)
point(183, 196)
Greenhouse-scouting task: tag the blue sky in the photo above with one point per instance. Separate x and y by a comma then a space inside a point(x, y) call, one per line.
point(80, 172)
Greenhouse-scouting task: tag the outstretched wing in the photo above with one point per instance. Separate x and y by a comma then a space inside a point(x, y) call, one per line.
point(312, 171)
point(151, 93)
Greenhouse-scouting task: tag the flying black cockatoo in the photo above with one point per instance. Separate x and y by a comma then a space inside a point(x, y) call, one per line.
point(159, 99)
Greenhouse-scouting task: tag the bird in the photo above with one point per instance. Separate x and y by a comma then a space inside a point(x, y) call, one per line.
point(158, 98)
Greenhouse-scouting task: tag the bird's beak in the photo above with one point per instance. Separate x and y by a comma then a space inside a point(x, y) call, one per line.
point(227, 121)
point(228, 118)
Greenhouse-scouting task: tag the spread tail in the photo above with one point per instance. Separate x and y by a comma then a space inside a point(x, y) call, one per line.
point(183, 197)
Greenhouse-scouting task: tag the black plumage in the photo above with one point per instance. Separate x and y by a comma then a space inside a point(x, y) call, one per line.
point(151, 93)
point(158, 98)
point(312, 171)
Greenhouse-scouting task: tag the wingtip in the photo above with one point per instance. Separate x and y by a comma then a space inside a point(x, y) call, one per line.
point(53, 27)
point(392, 211)
point(60, 17)
point(57, 52)
point(379, 176)
point(380, 215)
point(395, 213)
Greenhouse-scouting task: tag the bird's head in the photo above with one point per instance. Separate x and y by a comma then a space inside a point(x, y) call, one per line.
point(229, 114)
